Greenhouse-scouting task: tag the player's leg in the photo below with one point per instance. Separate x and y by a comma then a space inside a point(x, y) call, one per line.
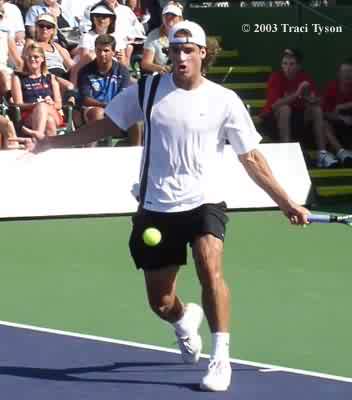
point(160, 265)
point(208, 252)
point(161, 291)
point(207, 249)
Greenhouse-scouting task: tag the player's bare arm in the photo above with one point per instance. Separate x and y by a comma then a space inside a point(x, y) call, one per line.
point(259, 170)
point(100, 129)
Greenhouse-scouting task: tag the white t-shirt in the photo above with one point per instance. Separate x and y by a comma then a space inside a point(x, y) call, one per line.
point(189, 129)
point(127, 23)
point(13, 18)
point(156, 44)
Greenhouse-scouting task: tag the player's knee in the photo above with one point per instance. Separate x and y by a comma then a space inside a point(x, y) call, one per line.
point(161, 307)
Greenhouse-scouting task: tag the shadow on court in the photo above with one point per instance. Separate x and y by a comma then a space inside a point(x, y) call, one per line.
point(46, 366)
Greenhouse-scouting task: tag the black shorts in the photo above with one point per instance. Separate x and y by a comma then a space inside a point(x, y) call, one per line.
point(177, 230)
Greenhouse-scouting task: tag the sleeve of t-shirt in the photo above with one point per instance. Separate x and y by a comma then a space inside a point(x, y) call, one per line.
point(148, 44)
point(124, 109)
point(239, 127)
point(31, 16)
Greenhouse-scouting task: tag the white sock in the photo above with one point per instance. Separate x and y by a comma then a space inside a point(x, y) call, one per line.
point(181, 326)
point(221, 346)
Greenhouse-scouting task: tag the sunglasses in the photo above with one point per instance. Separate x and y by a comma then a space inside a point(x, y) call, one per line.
point(102, 16)
point(45, 26)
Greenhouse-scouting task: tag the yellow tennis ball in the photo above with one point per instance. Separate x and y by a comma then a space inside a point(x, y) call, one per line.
point(151, 237)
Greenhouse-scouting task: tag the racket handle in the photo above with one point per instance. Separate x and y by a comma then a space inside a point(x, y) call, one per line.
point(320, 218)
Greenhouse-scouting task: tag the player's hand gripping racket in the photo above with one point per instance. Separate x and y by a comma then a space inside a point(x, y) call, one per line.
point(331, 218)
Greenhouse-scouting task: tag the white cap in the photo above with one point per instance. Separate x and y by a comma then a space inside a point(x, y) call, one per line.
point(197, 34)
point(101, 10)
point(172, 9)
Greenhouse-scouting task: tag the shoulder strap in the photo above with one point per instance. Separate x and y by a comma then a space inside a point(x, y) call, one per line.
point(141, 90)
point(147, 133)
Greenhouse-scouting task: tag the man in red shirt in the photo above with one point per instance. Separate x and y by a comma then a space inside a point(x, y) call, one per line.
point(292, 103)
point(337, 107)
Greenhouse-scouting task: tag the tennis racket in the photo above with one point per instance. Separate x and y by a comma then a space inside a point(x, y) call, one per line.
point(331, 218)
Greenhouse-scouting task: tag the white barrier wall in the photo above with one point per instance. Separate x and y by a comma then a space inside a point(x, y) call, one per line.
point(95, 181)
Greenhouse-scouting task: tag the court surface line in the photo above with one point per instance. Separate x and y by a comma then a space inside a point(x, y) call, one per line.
point(262, 366)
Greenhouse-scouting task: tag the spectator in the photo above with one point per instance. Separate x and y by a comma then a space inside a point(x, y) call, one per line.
point(7, 50)
point(101, 80)
point(7, 130)
point(337, 107)
point(155, 53)
point(58, 59)
point(48, 7)
point(292, 102)
point(13, 20)
point(103, 22)
point(126, 23)
point(140, 11)
point(37, 93)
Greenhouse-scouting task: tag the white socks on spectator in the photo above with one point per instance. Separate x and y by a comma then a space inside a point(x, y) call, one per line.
point(221, 346)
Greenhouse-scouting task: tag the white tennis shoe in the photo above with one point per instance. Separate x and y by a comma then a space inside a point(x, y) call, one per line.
point(218, 377)
point(191, 344)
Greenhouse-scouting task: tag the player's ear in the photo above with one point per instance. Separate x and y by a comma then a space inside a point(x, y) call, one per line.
point(203, 53)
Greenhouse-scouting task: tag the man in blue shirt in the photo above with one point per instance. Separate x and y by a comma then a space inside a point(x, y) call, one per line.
point(101, 80)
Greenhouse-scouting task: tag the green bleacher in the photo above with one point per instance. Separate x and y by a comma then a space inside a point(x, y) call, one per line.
point(250, 82)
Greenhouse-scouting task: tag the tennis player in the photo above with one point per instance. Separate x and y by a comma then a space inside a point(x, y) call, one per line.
point(188, 119)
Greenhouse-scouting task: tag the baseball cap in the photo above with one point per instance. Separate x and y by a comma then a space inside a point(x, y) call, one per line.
point(101, 10)
point(172, 9)
point(197, 34)
point(47, 18)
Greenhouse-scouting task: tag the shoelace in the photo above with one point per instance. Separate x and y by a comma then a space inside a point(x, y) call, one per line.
point(216, 367)
point(185, 342)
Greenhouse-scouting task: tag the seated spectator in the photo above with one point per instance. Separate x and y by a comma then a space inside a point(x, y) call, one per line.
point(58, 59)
point(140, 12)
point(126, 21)
point(101, 80)
point(292, 103)
point(7, 50)
point(37, 93)
point(48, 7)
point(103, 22)
point(155, 54)
point(337, 107)
point(7, 129)
point(14, 21)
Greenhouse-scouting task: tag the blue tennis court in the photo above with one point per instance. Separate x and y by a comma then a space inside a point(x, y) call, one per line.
point(44, 364)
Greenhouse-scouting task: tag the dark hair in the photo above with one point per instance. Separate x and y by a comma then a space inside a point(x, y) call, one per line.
point(111, 28)
point(106, 40)
point(294, 53)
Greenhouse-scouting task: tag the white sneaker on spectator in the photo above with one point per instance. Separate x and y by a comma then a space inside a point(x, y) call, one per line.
point(218, 377)
point(345, 157)
point(326, 160)
point(191, 343)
